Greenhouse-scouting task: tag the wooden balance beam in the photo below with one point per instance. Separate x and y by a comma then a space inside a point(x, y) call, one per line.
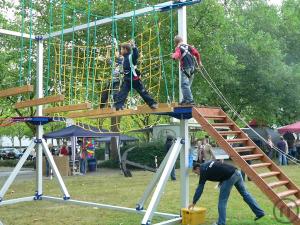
point(16, 91)
point(103, 113)
point(67, 108)
point(91, 113)
point(39, 101)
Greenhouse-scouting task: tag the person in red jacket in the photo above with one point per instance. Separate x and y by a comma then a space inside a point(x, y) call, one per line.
point(189, 59)
point(64, 150)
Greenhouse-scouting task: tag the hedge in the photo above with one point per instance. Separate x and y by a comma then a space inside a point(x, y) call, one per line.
point(143, 153)
point(13, 163)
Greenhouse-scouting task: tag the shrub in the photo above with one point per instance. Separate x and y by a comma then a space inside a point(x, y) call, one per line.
point(13, 163)
point(143, 153)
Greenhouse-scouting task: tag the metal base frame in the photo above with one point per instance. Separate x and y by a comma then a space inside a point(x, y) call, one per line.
point(42, 147)
point(159, 180)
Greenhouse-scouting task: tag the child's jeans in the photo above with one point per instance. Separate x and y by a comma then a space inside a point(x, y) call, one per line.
point(187, 77)
point(121, 97)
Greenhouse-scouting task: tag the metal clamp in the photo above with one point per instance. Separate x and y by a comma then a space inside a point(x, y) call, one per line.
point(139, 207)
point(37, 196)
point(66, 198)
point(38, 141)
point(182, 141)
point(38, 38)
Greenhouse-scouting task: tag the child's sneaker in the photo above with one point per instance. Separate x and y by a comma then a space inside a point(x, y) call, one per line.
point(183, 102)
point(154, 106)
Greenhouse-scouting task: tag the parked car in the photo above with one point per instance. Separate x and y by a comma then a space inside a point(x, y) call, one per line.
point(11, 153)
point(3, 153)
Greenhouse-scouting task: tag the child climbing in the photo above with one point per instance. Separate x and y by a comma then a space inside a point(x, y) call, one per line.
point(112, 87)
point(130, 53)
point(189, 59)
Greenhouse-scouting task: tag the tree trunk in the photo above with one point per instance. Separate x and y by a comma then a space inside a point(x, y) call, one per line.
point(20, 141)
point(115, 121)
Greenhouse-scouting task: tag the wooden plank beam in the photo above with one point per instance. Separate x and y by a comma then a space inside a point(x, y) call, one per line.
point(129, 112)
point(67, 108)
point(39, 101)
point(90, 113)
point(16, 91)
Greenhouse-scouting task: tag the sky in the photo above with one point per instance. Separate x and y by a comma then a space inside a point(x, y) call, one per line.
point(275, 2)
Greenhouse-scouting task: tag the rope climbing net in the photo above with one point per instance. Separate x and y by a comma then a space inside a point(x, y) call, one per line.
point(83, 68)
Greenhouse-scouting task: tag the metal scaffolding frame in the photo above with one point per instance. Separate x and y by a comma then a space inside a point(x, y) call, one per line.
point(159, 180)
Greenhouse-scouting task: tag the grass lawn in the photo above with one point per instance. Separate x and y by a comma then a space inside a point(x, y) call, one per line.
point(112, 188)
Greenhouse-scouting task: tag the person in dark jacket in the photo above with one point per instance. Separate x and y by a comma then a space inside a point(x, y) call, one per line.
point(132, 77)
point(168, 145)
point(189, 58)
point(228, 176)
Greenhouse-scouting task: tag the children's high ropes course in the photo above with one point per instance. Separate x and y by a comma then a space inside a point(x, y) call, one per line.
point(82, 74)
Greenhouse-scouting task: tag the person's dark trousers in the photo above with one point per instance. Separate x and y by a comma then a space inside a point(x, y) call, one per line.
point(105, 93)
point(125, 89)
point(47, 167)
point(173, 175)
point(270, 154)
point(243, 174)
point(225, 189)
point(292, 152)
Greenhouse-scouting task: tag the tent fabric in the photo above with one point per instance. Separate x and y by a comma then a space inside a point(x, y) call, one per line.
point(264, 132)
point(292, 128)
point(76, 131)
point(122, 138)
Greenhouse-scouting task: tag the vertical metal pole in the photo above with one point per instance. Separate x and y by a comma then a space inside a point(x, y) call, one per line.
point(184, 164)
point(182, 31)
point(39, 112)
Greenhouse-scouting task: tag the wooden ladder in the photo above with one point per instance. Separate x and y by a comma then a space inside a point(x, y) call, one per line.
point(263, 172)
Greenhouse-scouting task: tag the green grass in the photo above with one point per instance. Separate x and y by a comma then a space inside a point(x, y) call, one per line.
point(112, 188)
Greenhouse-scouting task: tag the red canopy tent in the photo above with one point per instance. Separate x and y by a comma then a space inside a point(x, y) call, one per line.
point(293, 128)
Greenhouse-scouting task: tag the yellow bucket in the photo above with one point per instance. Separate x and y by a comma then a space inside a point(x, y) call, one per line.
point(194, 216)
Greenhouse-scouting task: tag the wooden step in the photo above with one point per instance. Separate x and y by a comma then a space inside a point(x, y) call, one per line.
point(237, 140)
point(212, 117)
point(40, 101)
point(278, 183)
point(244, 148)
point(67, 108)
point(260, 165)
point(269, 174)
point(16, 91)
point(222, 124)
point(253, 156)
point(287, 193)
point(230, 132)
point(294, 204)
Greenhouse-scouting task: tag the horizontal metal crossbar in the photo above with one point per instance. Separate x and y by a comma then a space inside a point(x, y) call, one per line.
point(16, 34)
point(106, 206)
point(159, 7)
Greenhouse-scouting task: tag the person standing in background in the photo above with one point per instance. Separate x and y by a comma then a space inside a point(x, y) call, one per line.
point(64, 150)
point(270, 147)
point(208, 156)
point(83, 157)
point(200, 151)
point(282, 145)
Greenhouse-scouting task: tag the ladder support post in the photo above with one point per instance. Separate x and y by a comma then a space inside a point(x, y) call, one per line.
point(184, 164)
